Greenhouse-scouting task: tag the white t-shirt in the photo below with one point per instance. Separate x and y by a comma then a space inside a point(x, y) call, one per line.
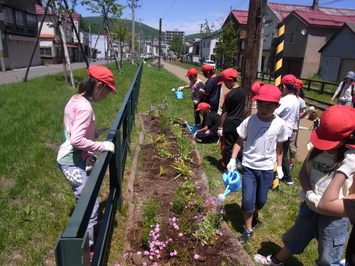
point(260, 139)
point(289, 111)
point(302, 103)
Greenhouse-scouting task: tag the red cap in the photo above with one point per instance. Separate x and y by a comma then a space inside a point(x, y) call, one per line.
point(228, 74)
point(268, 93)
point(203, 106)
point(191, 72)
point(289, 79)
point(103, 74)
point(299, 84)
point(206, 68)
point(255, 87)
point(336, 123)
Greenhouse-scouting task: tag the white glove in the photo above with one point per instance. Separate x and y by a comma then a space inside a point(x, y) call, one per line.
point(99, 131)
point(312, 108)
point(173, 89)
point(220, 132)
point(109, 146)
point(180, 88)
point(195, 101)
point(313, 197)
point(232, 165)
point(348, 165)
point(279, 172)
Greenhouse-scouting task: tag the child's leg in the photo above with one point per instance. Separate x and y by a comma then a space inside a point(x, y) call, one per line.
point(207, 136)
point(196, 115)
point(249, 186)
point(333, 234)
point(264, 180)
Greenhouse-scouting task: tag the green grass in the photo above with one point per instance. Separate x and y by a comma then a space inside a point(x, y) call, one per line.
point(35, 200)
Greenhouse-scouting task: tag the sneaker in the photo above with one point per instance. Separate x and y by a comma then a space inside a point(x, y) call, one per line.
point(288, 180)
point(256, 222)
point(245, 237)
point(266, 260)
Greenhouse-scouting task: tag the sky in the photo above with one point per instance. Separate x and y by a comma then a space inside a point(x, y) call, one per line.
point(188, 15)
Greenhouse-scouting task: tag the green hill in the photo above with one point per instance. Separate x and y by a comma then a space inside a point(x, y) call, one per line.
point(96, 27)
point(200, 35)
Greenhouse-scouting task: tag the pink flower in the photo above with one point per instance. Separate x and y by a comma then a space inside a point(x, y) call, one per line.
point(196, 256)
point(155, 264)
point(151, 257)
point(125, 255)
point(145, 264)
point(180, 234)
point(117, 264)
point(146, 253)
point(139, 253)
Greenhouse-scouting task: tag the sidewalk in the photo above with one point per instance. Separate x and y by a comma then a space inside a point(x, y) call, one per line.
point(17, 75)
point(303, 136)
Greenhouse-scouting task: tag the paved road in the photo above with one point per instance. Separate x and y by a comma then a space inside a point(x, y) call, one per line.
point(304, 134)
point(17, 75)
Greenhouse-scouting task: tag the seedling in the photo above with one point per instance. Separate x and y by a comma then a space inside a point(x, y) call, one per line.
point(183, 169)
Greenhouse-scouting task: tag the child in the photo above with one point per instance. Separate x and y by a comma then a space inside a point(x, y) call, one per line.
point(263, 134)
point(232, 113)
point(208, 132)
point(329, 140)
point(345, 91)
point(288, 110)
point(79, 132)
point(212, 88)
point(196, 86)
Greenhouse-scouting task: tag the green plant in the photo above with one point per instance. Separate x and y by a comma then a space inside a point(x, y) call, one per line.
point(186, 196)
point(208, 228)
point(162, 171)
point(185, 147)
point(183, 169)
point(150, 209)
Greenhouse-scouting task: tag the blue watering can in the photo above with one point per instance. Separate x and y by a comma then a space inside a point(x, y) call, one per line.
point(192, 129)
point(179, 94)
point(232, 183)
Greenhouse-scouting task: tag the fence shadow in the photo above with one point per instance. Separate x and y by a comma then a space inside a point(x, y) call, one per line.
point(214, 162)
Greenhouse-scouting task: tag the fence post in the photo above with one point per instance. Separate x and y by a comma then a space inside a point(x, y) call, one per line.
point(73, 251)
point(309, 84)
point(322, 88)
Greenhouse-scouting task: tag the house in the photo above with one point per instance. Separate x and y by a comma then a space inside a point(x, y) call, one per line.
point(51, 45)
point(338, 54)
point(151, 48)
point(207, 48)
point(18, 31)
point(307, 29)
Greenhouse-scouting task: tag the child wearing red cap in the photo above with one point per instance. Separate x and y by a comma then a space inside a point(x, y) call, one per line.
point(261, 136)
point(208, 131)
point(79, 133)
point(330, 140)
point(196, 86)
point(289, 111)
point(212, 90)
point(232, 113)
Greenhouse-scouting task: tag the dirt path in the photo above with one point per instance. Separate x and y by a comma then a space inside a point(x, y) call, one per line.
point(303, 137)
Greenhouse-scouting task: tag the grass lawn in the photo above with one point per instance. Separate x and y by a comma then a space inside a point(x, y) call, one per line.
point(35, 199)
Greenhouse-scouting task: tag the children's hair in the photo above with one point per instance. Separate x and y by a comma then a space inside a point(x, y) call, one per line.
point(86, 86)
point(339, 154)
point(291, 88)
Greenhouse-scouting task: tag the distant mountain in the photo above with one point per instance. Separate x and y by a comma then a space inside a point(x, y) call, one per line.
point(147, 32)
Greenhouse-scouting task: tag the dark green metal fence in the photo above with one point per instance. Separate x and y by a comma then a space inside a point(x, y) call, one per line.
point(73, 245)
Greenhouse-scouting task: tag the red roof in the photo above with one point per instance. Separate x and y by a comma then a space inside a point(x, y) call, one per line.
point(40, 11)
point(283, 10)
point(241, 16)
point(317, 18)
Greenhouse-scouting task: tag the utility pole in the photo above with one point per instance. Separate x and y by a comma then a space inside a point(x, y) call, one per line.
point(2, 52)
point(249, 68)
point(133, 5)
point(160, 22)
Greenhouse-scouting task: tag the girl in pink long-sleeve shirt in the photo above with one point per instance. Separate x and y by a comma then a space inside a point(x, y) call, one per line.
point(79, 133)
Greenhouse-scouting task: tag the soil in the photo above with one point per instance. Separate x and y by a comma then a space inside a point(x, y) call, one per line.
point(150, 183)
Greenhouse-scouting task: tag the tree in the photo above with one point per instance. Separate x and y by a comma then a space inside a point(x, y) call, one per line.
point(121, 34)
point(206, 28)
point(177, 45)
point(226, 49)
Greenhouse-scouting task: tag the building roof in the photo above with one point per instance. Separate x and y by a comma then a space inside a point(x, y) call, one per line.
point(241, 16)
point(319, 19)
point(351, 26)
point(40, 11)
point(283, 10)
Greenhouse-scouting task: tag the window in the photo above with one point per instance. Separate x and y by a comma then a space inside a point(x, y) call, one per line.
point(289, 37)
point(9, 15)
point(31, 21)
point(19, 18)
point(46, 51)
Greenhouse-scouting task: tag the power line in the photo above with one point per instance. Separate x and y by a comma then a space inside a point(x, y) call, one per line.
point(171, 6)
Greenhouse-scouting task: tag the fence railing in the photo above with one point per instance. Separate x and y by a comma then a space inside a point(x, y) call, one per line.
point(73, 245)
point(309, 84)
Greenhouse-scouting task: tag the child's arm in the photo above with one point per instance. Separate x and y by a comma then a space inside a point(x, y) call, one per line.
point(279, 154)
point(236, 148)
point(202, 129)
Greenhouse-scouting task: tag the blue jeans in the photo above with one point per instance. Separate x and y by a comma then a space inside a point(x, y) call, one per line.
point(255, 188)
point(331, 233)
point(77, 177)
